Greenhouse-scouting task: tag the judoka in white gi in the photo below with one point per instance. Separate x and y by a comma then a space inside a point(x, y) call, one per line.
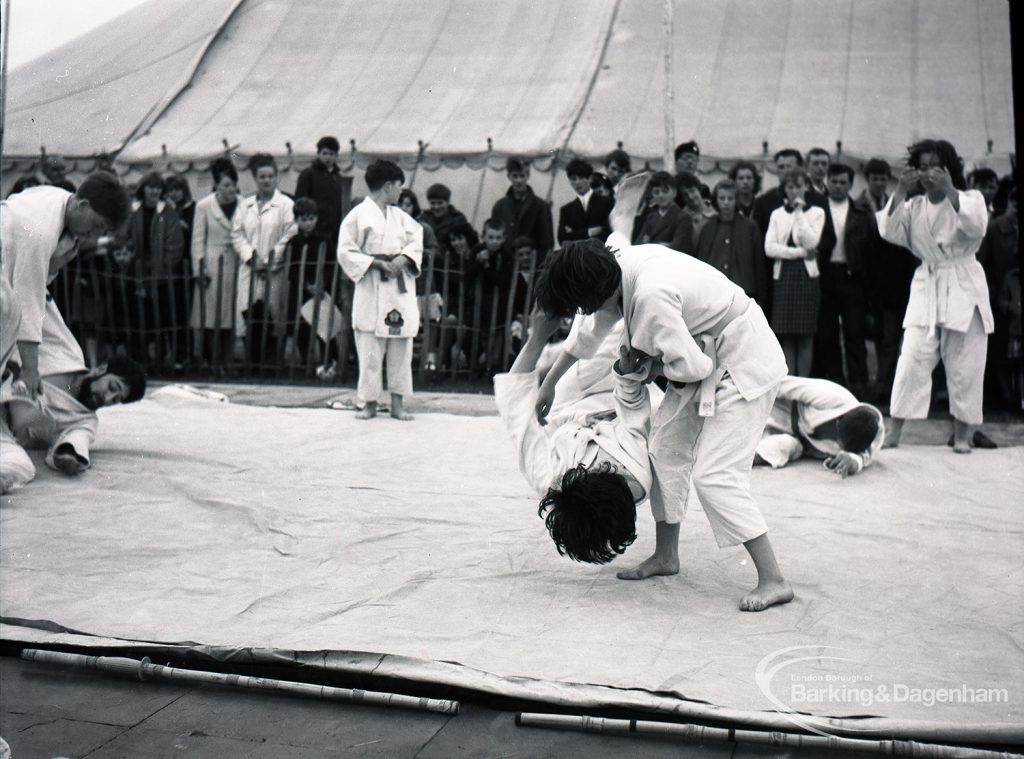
point(62, 416)
point(41, 229)
point(948, 316)
point(822, 420)
point(598, 424)
point(715, 346)
point(380, 248)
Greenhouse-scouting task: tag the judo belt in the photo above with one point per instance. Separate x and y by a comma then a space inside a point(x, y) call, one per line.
point(932, 283)
point(708, 340)
point(399, 278)
point(703, 391)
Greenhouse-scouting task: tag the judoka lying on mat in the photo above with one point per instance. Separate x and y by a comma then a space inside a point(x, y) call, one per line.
point(61, 417)
point(592, 452)
point(822, 420)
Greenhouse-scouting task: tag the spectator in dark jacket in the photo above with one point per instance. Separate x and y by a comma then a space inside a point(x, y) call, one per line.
point(849, 234)
point(733, 244)
point(312, 267)
point(748, 185)
point(888, 270)
point(156, 240)
point(443, 216)
point(985, 181)
point(522, 212)
point(617, 165)
point(587, 214)
point(490, 266)
point(999, 255)
point(321, 181)
point(666, 223)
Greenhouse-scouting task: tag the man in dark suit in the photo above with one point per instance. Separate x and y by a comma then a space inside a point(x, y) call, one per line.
point(849, 234)
point(587, 214)
point(818, 161)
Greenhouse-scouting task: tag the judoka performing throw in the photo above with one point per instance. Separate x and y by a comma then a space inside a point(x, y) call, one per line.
point(685, 320)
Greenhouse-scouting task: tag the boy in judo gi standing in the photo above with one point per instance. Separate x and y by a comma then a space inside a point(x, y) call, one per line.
point(380, 248)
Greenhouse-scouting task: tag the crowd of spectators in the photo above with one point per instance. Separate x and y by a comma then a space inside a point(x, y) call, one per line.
point(229, 280)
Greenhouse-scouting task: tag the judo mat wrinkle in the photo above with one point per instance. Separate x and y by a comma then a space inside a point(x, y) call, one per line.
point(238, 528)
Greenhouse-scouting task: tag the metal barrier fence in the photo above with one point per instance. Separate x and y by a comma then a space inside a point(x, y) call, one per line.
point(183, 321)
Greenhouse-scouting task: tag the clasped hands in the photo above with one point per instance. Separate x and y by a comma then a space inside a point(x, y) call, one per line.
point(937, 176)
point(390, 267)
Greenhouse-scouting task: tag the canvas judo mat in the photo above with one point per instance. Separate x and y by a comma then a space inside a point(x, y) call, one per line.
point(415, 550)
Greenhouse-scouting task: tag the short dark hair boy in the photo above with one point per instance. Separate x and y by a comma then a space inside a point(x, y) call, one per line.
point(304, 207)
point(380, 172)
point(328, 143)
point(579, 168)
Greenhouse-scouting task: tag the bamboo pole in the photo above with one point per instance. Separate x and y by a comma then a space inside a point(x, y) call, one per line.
point(145, 670)
point(774, 738)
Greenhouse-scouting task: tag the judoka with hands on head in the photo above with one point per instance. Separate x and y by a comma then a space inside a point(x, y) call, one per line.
point(380, 248)
point(822, 420)
point(723, 363)
point(948, 315)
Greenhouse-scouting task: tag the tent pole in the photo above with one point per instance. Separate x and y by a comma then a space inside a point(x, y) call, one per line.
point(3, 71)
point(669, 104)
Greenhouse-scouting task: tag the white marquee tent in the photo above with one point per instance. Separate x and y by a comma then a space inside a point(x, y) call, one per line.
point(443, 85)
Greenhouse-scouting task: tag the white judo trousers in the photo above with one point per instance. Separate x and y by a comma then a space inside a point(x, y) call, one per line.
point(961, 354)
point(711, 457)
point(374, 352)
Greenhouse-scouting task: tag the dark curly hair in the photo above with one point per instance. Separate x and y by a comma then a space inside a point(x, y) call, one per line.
point(592, 516)
point(857, 428)
point(946, 153)
point(580, 276)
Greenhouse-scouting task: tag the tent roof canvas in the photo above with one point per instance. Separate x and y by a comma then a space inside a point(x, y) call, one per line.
point(174, 80)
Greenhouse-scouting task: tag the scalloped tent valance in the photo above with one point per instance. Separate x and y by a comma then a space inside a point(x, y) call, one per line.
point(176, 83)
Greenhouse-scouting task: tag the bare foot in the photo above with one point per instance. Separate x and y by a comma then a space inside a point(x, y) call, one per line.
point(652, 567)
point(891, 441)
point(398, 408)
point(369, 411)
point(767, 594)
point(962, 446)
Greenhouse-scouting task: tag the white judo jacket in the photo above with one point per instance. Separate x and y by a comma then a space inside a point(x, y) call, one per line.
point(669, 298)
point(546, 452)
point(379, 305)
point(950, 283)
point(815, 402)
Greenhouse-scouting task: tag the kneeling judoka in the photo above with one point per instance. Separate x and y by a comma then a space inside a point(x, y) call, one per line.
point(821, 420)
